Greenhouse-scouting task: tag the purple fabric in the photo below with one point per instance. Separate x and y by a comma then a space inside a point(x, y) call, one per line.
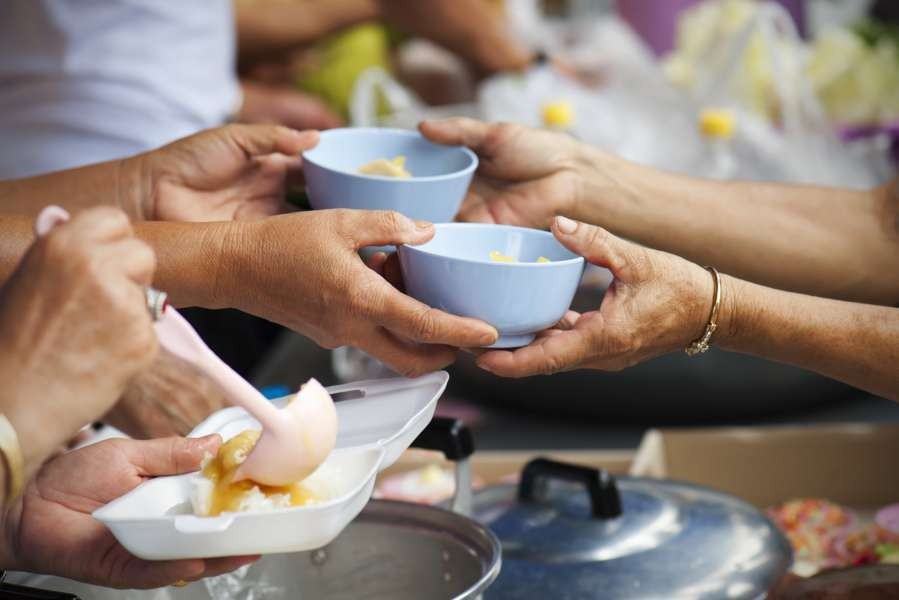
point(857, 132)
point(656, 20)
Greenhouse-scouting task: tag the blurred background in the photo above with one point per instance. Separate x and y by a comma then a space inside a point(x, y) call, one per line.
point(796, 90)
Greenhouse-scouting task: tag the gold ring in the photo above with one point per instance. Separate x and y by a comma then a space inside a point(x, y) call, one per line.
point(180, 583)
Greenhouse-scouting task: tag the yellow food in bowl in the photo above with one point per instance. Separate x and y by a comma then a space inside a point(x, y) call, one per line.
point(222, 494)
point(497, 256)
point(394, 167)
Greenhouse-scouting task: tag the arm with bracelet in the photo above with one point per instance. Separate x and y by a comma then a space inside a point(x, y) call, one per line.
point(660, 303)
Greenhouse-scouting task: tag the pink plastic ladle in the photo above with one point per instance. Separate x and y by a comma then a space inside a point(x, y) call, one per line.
point(295, 439)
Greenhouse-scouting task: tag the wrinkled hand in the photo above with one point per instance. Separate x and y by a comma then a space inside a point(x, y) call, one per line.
point(74, 328)
point(525, 176)
point(657, 303)
point(303, 271)
point(281, 105)
point(236, 172)
point(50, 528)
point(170, 397)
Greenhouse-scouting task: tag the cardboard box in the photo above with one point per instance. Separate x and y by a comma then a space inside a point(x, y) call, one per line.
point(856, 465)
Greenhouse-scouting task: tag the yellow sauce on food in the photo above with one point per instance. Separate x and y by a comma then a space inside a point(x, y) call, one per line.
point(228, 494)
point(497, 256)
point(394, 167)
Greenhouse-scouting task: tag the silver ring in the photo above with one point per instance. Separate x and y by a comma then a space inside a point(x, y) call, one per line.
point(156, 302)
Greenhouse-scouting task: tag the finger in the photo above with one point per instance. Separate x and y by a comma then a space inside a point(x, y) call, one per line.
point(475, 208)
point(552, 354)
point(408, 359)
point(568, 320)
point(595, 244)
point(376, 262)
point(153, 574)
point(170, 456)
point(384, 227)
point(260, 140)
point(418, 322)
point(133, 258)
point(456, 131)
point(393, 272)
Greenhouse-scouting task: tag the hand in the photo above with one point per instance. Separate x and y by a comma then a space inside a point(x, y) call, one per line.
point(525, 176)
point(656, 303)
point(237, 172)
point(280, 105)
point(74, 328)
point(169, 398)
point(304, 272)
point(50, 528)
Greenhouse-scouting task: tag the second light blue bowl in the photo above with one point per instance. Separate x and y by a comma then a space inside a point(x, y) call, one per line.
point(453, 272)
point(440, 174)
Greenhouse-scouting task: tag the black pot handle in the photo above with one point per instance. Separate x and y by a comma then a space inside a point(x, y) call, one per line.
point(9, 591)
point(604, 498)
point(446, 435)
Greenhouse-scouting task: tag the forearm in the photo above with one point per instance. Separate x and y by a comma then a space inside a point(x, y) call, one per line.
point(822, 241)
point(852, 342)
point(110, 183)
point(188, 256)
point(266, 27)
point(469, 28)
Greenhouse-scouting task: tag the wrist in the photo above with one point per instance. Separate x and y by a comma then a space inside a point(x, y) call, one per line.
point(607, 188)
point(736, 313)
point(231, 245)
point(134, 185)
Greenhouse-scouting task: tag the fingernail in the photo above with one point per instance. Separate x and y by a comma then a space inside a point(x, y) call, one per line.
point(489, 339)
point(423, 225)
point(565, 225)
point(483, 367)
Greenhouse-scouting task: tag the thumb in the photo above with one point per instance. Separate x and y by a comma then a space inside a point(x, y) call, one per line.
point(595, 244)
point(384, 227)
point(457, 131)
point(260, 140)
point(171, 456)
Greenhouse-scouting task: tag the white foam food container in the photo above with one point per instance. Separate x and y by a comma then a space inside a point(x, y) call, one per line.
point(377, 421)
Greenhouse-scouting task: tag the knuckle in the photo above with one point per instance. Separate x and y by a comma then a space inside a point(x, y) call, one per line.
point(552, 365)
point(106, 216)
point(392, 220)
point(425, 325)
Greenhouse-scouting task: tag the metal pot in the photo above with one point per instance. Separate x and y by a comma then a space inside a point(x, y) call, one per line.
point(571, 532)
point(392, 550)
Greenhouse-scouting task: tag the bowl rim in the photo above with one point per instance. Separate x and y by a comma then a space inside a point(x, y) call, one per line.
point(337, 132)
point(531, 231)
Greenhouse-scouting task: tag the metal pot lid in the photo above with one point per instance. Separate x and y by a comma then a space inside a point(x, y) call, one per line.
point(630, 538)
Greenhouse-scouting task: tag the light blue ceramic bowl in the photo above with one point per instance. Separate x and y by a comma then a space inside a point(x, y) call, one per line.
point(440, 174)
point(453, 272)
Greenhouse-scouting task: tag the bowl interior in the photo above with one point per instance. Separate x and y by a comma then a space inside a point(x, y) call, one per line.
point(346, 150)
point(475, 242)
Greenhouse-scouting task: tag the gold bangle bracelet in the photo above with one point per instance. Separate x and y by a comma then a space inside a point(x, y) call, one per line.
point(701, 345)
point(12, 453)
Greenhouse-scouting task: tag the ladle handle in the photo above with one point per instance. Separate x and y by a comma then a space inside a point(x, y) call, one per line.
point(605, 502)
point(446, 435)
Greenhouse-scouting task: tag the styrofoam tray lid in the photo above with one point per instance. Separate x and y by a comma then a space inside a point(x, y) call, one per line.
point(377, 421)
point(381, 412)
